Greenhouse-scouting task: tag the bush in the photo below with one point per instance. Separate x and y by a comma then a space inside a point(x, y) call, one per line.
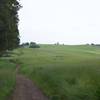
point(34, 45)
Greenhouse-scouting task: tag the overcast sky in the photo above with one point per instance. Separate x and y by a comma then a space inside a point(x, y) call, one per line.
point(64, 21)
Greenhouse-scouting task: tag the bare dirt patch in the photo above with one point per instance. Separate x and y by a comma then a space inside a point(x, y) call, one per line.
point(26, 90)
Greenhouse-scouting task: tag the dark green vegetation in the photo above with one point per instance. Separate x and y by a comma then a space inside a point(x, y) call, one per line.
point(29, 45)
point(9, 34)
point(7, 78)
point(63, 72)
point(9, 39)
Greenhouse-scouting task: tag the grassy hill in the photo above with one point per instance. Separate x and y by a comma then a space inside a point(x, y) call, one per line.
point(64, 72)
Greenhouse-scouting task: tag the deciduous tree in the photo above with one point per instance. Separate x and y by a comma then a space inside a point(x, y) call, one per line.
point(9, 33)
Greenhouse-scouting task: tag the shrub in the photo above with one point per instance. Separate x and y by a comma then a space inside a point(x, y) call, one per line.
point(34, 45)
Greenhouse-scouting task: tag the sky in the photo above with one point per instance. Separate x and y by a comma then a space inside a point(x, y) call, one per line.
point(63, 21)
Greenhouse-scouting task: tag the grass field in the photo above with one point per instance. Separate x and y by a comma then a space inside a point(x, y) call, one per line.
point(7, 78)
point(64, 72)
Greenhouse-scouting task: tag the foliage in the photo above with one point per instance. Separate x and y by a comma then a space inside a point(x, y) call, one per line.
point(9, 34)
point(7, 79)
point(25, 44)
point(30, 45)
point(34, 45)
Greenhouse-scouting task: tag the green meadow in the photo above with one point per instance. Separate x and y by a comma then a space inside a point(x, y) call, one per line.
point(63, 72)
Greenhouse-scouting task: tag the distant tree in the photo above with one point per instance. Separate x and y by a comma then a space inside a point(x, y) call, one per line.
point(87, 44)
point(92, 44)
point(34, 45)
point(97, 44)
point(30, 45)
point(25, 45)
point(57, 43)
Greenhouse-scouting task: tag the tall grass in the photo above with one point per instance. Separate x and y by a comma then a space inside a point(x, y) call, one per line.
point(64, 72)
point(7, 79)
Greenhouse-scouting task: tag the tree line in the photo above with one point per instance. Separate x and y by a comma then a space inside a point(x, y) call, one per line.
point(30, 45)
point(9, 33)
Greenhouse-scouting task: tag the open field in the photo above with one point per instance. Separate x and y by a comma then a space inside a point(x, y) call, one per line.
point(63, 72)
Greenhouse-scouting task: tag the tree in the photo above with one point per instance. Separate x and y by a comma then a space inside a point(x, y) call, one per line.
point(34, 45)
point(9, 33)
point(25, 45)
point(92, 44)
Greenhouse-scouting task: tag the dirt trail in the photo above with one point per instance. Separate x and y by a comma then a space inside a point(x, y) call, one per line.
point(26, 89)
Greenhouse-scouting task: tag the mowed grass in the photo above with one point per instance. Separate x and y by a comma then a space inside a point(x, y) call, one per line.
point(7, 78)
point(64, 72)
